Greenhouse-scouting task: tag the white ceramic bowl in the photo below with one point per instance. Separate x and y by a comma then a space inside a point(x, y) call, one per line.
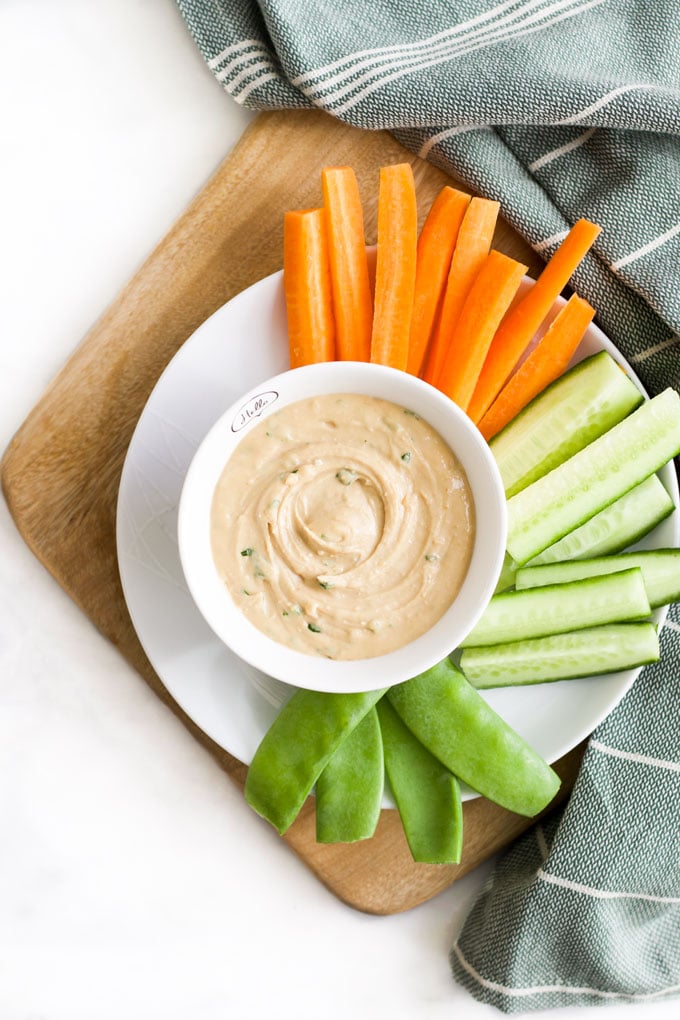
point(210, 592)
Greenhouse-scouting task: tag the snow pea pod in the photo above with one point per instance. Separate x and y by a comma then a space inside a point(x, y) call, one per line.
point(461, 729)
point(297, 747)
point(427, 795)
point(349, 790)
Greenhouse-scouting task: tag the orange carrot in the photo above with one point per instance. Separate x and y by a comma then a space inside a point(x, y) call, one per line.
point(349, 270)
point(435, 248)
point(307, 287)
point(547, 361)
point(395, 271)
point(472, 247)
point(487, 301)
point(519, 326)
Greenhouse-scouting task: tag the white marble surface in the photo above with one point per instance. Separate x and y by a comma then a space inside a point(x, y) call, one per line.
point(134, 881)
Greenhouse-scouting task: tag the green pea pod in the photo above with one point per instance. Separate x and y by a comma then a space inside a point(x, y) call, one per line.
point(427, 795)
point(349, 790)
point(297, 747)
point(461, 729)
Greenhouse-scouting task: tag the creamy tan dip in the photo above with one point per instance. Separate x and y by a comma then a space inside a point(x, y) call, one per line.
point(343, 526)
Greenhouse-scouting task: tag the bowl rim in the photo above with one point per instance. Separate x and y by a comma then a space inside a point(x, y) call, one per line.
point(210, 594)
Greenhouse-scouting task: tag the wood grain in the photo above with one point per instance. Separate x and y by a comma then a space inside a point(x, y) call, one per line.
point(61, 472)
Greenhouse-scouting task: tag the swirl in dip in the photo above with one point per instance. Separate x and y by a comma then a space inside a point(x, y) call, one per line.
point(343, 526)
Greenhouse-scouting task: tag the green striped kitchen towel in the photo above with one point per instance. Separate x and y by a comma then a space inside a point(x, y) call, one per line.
point(558, 109)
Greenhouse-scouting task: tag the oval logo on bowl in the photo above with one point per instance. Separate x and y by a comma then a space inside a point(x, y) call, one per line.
point(253, 408)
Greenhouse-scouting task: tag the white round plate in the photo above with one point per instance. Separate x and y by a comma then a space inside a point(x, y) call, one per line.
point(238, 347)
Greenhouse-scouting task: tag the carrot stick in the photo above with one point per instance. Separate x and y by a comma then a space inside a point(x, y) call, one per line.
point(472, 247)
point(395, 272)
point(487, 301)
point(349, 270)
point(435, 248)
point(307, 287)
point(547, 361)
point(520, 325)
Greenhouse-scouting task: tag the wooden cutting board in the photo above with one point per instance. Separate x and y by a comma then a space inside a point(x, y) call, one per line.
point(61, 471)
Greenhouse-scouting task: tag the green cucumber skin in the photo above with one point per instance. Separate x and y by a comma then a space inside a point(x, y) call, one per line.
point(556, 608)
point(660, 572)
point(619, 525)
point(427, 795)
point(623, 522)
point(588, 652)
point(460, 728)
point(594, 477)
point(349, 791)
point(578, 407)
point(297, 747)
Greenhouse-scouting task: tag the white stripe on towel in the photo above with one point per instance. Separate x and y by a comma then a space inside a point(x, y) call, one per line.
point(384, 52)
point(548, 242)
point(246, 73)
point(640, 759)
point(259, 54)
point(602, 894)
point(429, 145)
point(646, 248)
point(244, 44)
point(575, 143)
point(374, 80)
point(604, 101)
point(494, 986)
point(241, 96)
